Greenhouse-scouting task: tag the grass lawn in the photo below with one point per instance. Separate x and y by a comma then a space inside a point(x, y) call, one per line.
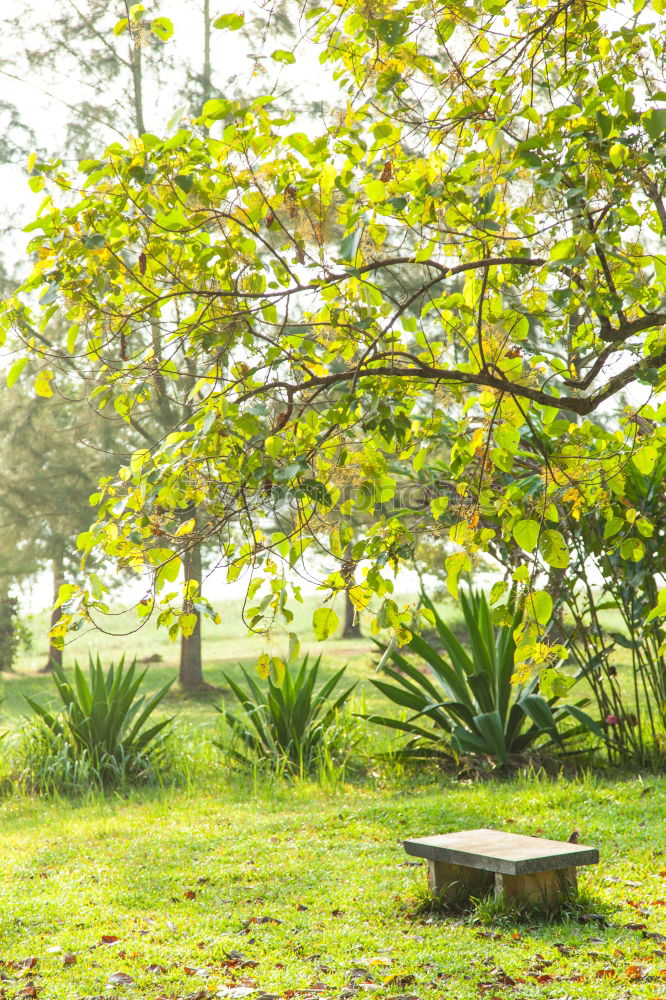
point(240, 887)
point(225, 646)
point(232, 891)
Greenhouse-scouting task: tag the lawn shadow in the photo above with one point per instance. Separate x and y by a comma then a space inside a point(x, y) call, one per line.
point(585, 909)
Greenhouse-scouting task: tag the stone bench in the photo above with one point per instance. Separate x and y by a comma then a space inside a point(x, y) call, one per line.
point(529, 870)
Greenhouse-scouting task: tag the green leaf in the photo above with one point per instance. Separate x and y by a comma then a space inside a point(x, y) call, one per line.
point(229, 22)
point(564, 249)
point(554, 684)
point(497, 591)
point(375, 190)
point(612, 526)
point(216, 109)
point(632, 549)
point(162, 27)
point(554, 549)
point(283, 56)
point(72, 334)
point(617, 154)
point(15, 371)
point(508, 437)
point(540, 606)
point(659, 610)
point(121, 26)
point(391, 31)
point(526, 534)
point(438, 506)
point(654, 122)
point(184, 182)
point(324, 623)
point(294, 647)
point(349, 245)
point(645, 458)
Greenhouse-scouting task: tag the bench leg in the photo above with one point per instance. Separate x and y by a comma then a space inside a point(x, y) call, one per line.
point(547, 889)
point(457, 883)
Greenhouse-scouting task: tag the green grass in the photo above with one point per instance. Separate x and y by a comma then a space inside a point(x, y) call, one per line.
point(184, 879)
point(225, 646)
point(309, 880)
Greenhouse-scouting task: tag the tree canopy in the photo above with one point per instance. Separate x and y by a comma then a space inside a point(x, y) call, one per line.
point(464, 259)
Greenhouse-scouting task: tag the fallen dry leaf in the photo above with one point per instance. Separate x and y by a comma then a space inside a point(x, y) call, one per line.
point(120, 979)
point(399, 979)
point(69, 959)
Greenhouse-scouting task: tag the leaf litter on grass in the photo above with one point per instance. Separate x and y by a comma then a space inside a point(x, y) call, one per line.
point(347, 874)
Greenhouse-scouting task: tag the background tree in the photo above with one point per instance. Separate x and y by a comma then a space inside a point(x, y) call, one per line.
point(53, 451)
point(124, 67)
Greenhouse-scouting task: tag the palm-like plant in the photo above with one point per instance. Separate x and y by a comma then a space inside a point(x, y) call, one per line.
point(287, 724)
point(102, 720)
point(468, 702)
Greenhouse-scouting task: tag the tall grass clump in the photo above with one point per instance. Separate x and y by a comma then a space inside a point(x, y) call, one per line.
point(102, 737)
point(288, 725)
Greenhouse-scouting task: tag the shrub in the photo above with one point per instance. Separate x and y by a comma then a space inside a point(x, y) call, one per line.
point(101, 737)
point(470, 702)
point(287, 724)
point(609, 590)
point(14, 633)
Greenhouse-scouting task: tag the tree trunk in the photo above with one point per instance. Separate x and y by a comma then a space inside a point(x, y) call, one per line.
point(7, 617)
point(190, 673)
point(352, 629)
point(54, 658)
point(137, 77)
point(206, 76)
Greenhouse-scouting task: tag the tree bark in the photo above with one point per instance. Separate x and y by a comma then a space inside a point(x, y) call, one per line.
point(137, 77)
point(7, 617)
point(190, 673)
point(352, 628)
point(55, 654)
point(206, 75)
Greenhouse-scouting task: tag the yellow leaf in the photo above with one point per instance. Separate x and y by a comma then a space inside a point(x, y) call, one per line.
point(186, 527)
point(358, 597)
point(263, 665)
point(187, 624)
point(43, 384)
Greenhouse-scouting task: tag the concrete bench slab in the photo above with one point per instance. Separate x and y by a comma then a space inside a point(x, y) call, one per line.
point(529, 870)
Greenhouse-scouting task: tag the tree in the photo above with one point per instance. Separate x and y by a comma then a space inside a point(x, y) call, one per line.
point(116, 54)
point(517, 150)
point(53, 451)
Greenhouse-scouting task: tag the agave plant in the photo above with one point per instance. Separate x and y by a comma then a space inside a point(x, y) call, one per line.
point(103, 722)
point(286, 724)
point(468, 701)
